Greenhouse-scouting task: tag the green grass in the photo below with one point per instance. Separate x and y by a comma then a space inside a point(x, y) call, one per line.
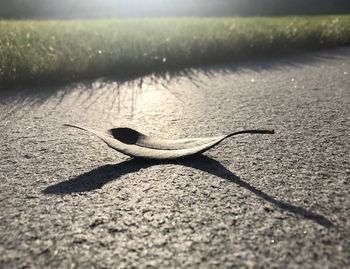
point(59, 51)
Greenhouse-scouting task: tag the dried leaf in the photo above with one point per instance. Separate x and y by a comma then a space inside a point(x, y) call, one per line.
point(136, 144)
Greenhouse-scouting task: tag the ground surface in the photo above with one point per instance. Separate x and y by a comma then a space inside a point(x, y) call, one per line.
point(263, 201)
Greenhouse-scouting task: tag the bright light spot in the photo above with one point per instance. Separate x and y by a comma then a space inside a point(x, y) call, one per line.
point(100, 52)
point(252, 80)
point(164, 60)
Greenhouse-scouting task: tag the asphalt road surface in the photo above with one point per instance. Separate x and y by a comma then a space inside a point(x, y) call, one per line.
point(254, 201)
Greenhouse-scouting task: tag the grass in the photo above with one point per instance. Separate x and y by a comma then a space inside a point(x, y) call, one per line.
point(38, 52)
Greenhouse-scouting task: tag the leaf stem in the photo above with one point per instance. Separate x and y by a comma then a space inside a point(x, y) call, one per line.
point(252, 132)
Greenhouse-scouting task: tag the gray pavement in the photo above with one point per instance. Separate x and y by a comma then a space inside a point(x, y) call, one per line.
point(264, 201)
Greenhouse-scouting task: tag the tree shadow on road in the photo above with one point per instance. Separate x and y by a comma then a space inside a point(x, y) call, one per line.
point(100, 176)
point(33, 97)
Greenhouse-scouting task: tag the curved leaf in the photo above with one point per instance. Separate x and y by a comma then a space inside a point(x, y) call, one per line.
point(136, 144)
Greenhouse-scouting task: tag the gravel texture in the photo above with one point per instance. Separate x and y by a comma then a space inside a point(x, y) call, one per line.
point(254, 201)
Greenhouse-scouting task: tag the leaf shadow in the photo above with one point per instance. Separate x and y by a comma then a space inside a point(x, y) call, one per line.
point(100, 176)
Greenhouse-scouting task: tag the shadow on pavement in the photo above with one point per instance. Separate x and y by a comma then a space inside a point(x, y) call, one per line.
point(98, 177)
point(35, 96)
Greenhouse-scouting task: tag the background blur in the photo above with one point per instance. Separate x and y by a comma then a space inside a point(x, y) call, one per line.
point(95, 9)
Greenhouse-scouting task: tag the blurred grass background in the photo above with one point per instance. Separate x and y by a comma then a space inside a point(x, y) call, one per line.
point(40, 52)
